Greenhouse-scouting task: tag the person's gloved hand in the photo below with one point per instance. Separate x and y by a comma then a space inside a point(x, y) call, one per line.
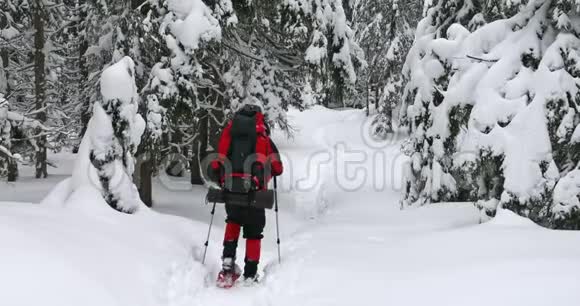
point(258, 178)
point(277, 168)
point(258, 182)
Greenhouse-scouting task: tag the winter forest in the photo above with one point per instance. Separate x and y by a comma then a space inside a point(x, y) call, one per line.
point(431, 151)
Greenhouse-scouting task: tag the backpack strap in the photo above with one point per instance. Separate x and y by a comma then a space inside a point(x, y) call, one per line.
point(261, 126)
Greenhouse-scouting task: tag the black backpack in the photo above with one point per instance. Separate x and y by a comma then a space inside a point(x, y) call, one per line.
point(241, 153)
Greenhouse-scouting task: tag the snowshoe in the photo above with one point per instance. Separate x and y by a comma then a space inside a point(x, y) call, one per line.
point(251, 281)
point(227, 279)
point(229, 274)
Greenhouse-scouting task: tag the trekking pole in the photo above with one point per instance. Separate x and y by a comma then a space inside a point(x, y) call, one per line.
point(209, 232)
point(277, 221)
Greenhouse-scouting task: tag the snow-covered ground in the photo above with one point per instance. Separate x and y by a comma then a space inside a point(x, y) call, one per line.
point(59, 257)
point(344, 240)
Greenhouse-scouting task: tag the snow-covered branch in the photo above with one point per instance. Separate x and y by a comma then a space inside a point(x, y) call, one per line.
point(5, 151)
point(482, 59)
point(26, 122)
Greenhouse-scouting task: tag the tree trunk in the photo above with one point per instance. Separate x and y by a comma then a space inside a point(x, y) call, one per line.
point(146, 161)
point(3, 74)
point(86, 110)
point(199, 151)
point(3, 59)
point(368, 99)
point(377, 96)
point(12, 170)
point(216, 125)
point(176, 167)
point(39, 85)
point(135, 3)
point(145, 179)
point(338, 88)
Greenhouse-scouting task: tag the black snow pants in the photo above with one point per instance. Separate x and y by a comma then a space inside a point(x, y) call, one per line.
point(252, 220)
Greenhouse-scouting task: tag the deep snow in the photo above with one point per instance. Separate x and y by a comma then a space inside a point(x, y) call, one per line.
point(339, 247)
point(60, 257)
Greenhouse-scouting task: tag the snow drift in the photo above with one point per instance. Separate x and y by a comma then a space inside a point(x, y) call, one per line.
point(62, 257)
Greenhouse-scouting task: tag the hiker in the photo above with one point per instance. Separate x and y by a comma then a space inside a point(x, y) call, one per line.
point(247, 160)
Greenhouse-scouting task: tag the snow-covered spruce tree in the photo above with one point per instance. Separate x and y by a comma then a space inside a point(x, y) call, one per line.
point(563, 115)
point(184, 79)
point(428, 177)
point(67, 79)
point(372, 27)
point(436, 130)
point(402, 29)
point(109, 31)
point(150, 49)
point(276, 48)
point(12, 44)
point(33, 77)
point(263, 62)
point(113, 135)
point(90, 34)
point(45, 18)
point(8, 120)
point(267, 52)
point(102, 175)
point(332, 51)
point(517, 137)
point(241, 52)
point(385, 33)
point(545, 55)
point(261, 85)
point(18, 86)
point(514, 87)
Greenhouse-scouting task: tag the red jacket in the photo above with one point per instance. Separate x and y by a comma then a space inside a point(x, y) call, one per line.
point(266, 150)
